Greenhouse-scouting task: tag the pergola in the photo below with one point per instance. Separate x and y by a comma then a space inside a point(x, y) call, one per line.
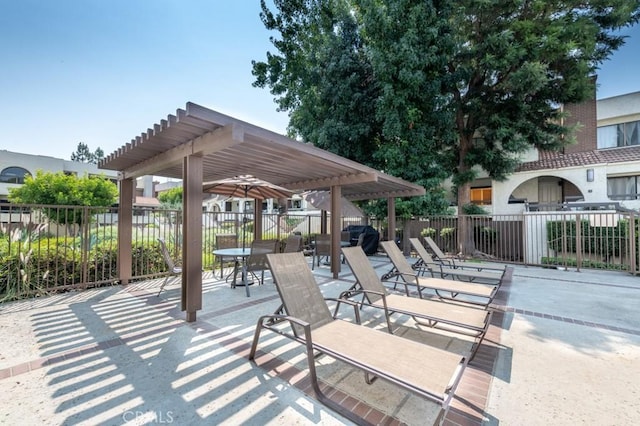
point(198, 144)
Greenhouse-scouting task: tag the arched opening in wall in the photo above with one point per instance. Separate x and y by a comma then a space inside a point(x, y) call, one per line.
point(546, 193)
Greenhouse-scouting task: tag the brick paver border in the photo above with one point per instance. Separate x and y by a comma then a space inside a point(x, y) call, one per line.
point(468, 405)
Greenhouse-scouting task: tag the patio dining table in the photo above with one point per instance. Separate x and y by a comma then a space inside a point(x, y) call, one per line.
point(242, 254)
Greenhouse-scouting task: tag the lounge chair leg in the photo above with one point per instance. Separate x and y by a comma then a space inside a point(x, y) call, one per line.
point(369, 378)
point(440, 419)
point(163, 284)
point(256, 337)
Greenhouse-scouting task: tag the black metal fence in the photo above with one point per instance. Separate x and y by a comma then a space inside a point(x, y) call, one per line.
point(56, 248)
point(565, 239)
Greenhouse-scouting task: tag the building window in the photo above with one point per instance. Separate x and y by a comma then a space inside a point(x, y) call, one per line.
point(619, 135)
point(13, 175)
point(294, 204)
point(623, 188)
point(481, 195)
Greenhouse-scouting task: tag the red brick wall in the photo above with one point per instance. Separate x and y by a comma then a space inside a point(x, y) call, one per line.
point(586, 135)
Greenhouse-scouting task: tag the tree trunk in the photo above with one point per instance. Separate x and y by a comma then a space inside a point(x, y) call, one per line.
point(466, 243)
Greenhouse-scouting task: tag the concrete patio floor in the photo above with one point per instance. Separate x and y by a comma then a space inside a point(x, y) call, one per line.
point(564, 348)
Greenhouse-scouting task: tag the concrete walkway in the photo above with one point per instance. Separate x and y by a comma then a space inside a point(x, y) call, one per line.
point(566, 350)
point(569, 350)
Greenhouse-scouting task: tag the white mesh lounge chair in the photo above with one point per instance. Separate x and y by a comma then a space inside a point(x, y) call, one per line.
point(467, 320)
point(453, 261)
point(429, 372)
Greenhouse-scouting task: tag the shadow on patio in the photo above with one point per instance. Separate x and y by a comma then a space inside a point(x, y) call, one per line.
point(123, 355)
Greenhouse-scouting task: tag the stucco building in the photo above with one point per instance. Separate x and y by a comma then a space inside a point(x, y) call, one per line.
point(603, 166)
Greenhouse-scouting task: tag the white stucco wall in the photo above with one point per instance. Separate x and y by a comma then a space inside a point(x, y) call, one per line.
point(525, 185)
point(619, 109)
point(33, 163)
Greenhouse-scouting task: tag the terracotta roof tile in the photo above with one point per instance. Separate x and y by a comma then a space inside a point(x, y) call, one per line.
point(549, 160)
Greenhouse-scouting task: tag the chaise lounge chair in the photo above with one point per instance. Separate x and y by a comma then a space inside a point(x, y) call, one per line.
point(467, 320)
point(452, 261)
point(475, 293)
point(429, 372)
point(402, 266)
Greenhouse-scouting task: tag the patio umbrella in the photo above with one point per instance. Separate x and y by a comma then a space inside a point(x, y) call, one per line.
point(322, 200)
point(246, 186)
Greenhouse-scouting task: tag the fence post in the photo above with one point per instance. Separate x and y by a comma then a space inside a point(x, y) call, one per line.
point(84, 256)
point(578, 242)
point(564, 240)
point(632, 244)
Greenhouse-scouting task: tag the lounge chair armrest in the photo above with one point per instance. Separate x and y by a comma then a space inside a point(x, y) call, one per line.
point(267, 321)
point(277, 318)
point(352, 292)
point(403, 282)
point(430, 269)
point(340, 301)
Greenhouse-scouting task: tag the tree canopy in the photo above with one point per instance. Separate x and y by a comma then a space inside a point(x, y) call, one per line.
point(428, 90)
point(67, 190)
point(84, 155)
point(171, 198)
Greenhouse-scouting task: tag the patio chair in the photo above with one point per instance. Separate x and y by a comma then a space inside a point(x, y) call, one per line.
point(453, 261)
point(174, 270)
point(292, 244)
point(224, 241)
point(429, 372)
point(466, 320)
point(345, 236)
point(401, 267)
point(321, 249)
point(426, 259)
point(257, 260)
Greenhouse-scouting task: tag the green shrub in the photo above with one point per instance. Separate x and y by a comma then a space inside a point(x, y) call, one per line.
point(606, 241)
point(571, 262)
point(428, 232)
point(473, 209)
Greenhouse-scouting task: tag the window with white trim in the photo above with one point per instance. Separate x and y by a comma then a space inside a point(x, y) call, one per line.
point(623, 188)
point(619, 135)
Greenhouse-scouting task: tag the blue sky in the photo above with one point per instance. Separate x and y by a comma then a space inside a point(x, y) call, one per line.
point(102, 72)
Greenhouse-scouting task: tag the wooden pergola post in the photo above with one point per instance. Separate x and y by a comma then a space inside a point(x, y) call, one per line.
point(391, 219)
point(125, 230)
point(257, 219)
point(336, 198)
point(192, 236)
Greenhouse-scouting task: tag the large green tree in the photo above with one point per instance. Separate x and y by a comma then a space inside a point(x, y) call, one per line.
point(515, 63)
point(454, 86)
point(324, 76)
point(59, 189)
